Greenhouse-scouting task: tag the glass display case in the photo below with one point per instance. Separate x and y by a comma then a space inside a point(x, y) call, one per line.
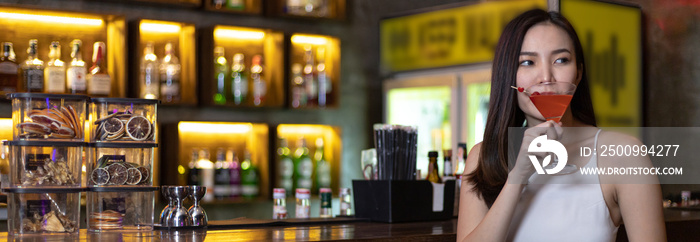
point(314, 78)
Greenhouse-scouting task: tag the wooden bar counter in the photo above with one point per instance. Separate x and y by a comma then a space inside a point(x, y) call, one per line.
point(357, 230)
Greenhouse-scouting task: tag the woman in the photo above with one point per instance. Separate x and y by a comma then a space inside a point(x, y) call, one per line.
point(498, 204)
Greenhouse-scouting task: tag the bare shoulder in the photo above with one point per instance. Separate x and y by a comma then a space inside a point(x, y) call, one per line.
point(472, 160)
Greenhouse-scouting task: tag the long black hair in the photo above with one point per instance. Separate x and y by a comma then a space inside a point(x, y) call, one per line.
point(492, 169)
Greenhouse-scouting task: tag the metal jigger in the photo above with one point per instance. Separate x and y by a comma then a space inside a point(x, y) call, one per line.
point(199, 216)
point(178, 216)
point(166, 211)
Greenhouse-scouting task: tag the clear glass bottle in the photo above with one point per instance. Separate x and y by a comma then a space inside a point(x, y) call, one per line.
point(193, 171)
point(345, 201)
point(259, 83)
point(326, 195)
point(249, 177)
point(55, 72)
point(433, 174)
point(323, 167)
point(447, 168)
point(309, 80)
point(324, 81)
point(170, 70)
point(239, 85)
point(206, 169)
point(235, 176)
point(32, 70)
point(99, 83)
point(222, 176)
point(218, 4)
point(285, 167)
point(298, 91)
point(279, 203)
point(220, 73)
point(303, 207)
point(8, 69)
point(148, 75)
point(303, 166)
point(77, 71)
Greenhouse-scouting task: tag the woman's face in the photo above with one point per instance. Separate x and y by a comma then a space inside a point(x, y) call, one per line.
point(547, 55)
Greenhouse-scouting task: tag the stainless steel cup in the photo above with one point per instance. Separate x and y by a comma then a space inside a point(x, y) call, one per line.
point(199, 216)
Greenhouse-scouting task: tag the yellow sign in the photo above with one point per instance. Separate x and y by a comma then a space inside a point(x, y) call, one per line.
point(611, 39)
point(447, 37)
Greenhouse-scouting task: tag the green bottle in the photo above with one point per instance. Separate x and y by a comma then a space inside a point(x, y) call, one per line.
point(303, 166)
point(220, 75)
point(323, 167)
point(285, 167)
point(249, 177)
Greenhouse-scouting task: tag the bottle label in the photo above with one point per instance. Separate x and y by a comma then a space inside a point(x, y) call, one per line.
point(250, 190)
point(286, 168)
point(259, 88)
point(305, 168)
point(324, 174)
point(240, 87)
point(35, 78)
point(302, 211)
point(56, 82)
point(311, 87)
point(170, 90)
point(236, 190)
point(279, 212)
point(304, 183)
point(447, 168)
point(99, 84)
point(8, 68)
point(326, 200)
point(222, 190)
point(75, 78)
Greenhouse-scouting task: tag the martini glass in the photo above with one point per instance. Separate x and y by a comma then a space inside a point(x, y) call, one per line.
point(552, 99)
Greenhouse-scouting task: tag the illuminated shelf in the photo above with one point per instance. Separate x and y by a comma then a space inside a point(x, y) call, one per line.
point(183, 39)
point(182, 137)
point(247, 6)
point(19, 25)
point(321, 47)
point(249, 42)
point(332, 146)
point(333, 9)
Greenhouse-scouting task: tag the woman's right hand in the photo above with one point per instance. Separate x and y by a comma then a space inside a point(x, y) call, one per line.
point(523, 168)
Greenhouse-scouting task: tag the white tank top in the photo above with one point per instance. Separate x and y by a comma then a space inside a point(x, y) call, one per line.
point(570, 208)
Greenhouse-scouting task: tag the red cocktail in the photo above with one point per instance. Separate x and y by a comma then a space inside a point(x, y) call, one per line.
point(551, 98)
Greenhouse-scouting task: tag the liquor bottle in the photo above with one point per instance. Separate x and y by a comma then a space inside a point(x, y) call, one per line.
point(298, 91)
point(220, 73)
point(218, 4)
point(303, 166)
point(222, 176)
point(99, 83)
point(76, 72)
point(206, 170)
point(323, 167)
point(324, 82)
point(295, 7)
point(433, 175)
point(55, 72)
point(249, 177)
point(32, 70)
point(235, 176)
point(236, 4)
point(239, 80)
point(447, 168)
point(170, 70)
point(8, 69)
point(150, 86)
point(309, 80)
point(285, 167)
point(193, 173)
point(259, 83)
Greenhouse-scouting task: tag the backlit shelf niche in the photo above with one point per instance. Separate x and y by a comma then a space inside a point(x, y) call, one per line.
point(234, 6)
point(183, 40)
point(311, 133)
point(19, 25)
point(321, 49)
point(249, 42)
point(182, 137)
